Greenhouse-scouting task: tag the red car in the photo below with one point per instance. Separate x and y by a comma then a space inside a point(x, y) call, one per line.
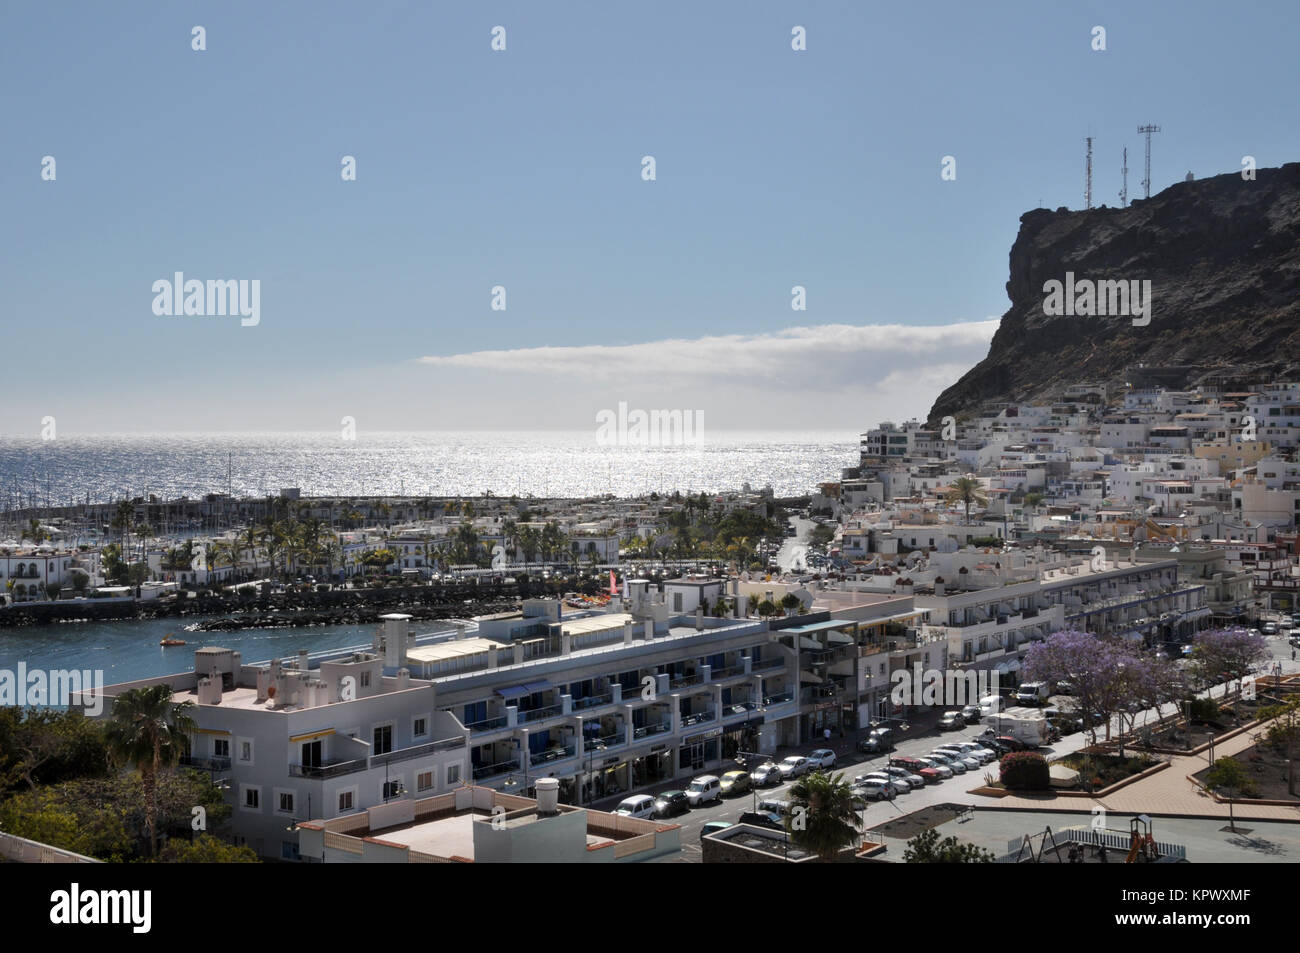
point(917, 767)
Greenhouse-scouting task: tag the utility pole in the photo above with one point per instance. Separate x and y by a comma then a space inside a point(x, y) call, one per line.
point(1123, 192)
point(1087, 187)
point(1147, 130)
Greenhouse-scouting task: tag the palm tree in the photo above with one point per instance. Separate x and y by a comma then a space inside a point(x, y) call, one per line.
point(35, 532)
point(122, 523)
point(822, 816)
point(148, 730)
point(967, 490)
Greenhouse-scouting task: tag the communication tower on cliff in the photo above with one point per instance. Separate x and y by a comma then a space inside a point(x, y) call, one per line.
point(1087, 186)
point(1123, 192)
point(1146, 183)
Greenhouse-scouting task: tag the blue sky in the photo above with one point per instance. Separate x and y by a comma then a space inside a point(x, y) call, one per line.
point(522, 168)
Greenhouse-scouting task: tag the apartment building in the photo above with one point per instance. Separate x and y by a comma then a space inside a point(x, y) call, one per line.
point(290, 743)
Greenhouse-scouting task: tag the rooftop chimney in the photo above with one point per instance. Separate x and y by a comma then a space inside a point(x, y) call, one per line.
point(548, 796)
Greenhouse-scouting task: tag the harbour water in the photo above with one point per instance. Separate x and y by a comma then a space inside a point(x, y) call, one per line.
point(128, 649)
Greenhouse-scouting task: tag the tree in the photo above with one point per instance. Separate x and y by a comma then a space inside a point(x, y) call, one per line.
point(790, 602)
point(1284, 734)
point(150, 731)
point(206, 849)
point(1093, 665)
point(1229, 776)
point(967, 490)
point(822, 817)
point(926, 848)
point(1230, 652)
point(767, 608)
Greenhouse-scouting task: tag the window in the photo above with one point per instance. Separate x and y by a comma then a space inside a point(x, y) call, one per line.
point(424, 781)
point(284, 802)
point(289, 850)
point(365, 679)
point(392, 789)
point(221, 747)
point(252, 800)
point(383, 738)
point(246, 750)
point(453, 774)
point(420, 727)
point(345, 801)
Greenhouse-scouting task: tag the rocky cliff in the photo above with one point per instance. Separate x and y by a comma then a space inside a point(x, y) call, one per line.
point(1223, 258)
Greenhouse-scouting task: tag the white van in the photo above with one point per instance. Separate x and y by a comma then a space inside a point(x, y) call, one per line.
point(704, 789)
point(638, 805)
point(990, 705)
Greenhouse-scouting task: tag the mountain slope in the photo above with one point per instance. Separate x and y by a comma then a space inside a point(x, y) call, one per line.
point(1223, 258)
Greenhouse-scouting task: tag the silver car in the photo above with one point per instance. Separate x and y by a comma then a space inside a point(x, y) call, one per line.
point(900, 774)
point(900, 786)
point(943, 767)
point(958, 766)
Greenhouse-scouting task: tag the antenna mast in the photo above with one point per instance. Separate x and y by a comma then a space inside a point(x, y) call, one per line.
point(1123, 192)
point(1087, 188)
point(1146, 183)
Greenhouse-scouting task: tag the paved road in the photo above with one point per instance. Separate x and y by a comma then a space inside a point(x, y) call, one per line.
point(917, 741)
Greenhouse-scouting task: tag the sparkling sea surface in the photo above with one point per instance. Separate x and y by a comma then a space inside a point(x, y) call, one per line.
point(536, 463)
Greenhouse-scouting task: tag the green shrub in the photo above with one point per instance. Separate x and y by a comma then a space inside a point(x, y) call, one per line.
point(1025, 771)
point(1203, 709)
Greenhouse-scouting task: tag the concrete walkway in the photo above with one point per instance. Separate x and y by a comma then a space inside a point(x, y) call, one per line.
point(1166, 793)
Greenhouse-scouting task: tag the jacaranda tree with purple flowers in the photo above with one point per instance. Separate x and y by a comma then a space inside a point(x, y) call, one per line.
point(1233, 653)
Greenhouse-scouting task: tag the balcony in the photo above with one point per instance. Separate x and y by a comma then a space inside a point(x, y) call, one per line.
point(416, 751)
point(601, 744)
point(768, 663)
point(552, 754)
point(593, 701)
point(777, 699)
point(493, 770)
point(731, 671)
point(328, 769)
point(647, 731)
point(488, 724)
point(697, 718)
point(684, 681)
point(540, 714)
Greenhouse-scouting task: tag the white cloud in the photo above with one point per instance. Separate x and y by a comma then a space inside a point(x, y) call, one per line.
point(831, 355)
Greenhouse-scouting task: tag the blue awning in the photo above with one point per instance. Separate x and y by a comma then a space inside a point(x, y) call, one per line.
point(514, 691)
point(541, 686)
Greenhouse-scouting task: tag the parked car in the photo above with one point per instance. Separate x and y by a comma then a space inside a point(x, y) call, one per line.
point(794, 766)
point(775, 806)
point(1010, 743)
point(875, 789)
point(969, 749)
point(934, 764)
point(900, 785)
point(902, 774)
point(735, 782)
point(712, 827)
point(880, 740)
point(972, 714)
point(766, 775)
point(952, 721)
point(704, 789)
point(917, 766)
point(822, 758)
point(763, 819)
point(958, 765)
point(957, 754)
point(638, 805)
point(1270, 628)
point(671, 803)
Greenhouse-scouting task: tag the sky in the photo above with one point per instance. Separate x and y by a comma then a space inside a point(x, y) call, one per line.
point(523, 169)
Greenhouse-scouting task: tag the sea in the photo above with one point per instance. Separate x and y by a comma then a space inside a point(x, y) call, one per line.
point(107, 467)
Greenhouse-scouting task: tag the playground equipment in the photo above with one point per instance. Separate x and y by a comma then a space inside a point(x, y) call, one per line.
point(1142, 846)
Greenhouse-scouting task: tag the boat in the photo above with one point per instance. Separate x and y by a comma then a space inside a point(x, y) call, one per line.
point(171, 640)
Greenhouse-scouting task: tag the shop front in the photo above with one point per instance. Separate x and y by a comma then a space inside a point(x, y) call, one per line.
point(698, 751)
